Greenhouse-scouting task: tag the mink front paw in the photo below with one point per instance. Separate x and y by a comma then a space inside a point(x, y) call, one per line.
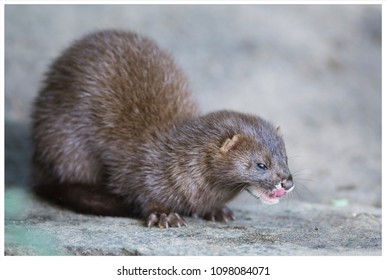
point(222, 215)
point(164, 220)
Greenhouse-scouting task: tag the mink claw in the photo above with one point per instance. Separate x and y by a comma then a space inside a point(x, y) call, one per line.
point(152, 220)
point(164, 220)
point(222, 215)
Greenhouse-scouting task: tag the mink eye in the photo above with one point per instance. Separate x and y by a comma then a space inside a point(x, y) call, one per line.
point(262, 166)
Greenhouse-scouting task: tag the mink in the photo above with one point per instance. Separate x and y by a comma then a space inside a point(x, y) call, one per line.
point(116, 131)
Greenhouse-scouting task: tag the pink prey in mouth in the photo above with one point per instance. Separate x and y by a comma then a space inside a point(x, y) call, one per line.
point(269, 196)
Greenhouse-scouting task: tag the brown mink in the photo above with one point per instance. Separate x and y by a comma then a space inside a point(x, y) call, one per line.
point(116, 131)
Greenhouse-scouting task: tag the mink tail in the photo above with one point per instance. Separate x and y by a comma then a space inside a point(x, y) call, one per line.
point(85, 199)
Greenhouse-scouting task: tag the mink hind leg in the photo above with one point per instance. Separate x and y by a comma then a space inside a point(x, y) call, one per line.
point(83, 198)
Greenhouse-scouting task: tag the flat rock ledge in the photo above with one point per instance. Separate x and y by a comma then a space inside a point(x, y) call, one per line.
point(289, 228)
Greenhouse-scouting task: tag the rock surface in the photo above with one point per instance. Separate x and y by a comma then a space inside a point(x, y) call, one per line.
point(293, 228)
point(315, 70)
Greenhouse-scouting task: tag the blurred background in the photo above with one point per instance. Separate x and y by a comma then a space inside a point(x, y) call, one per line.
point(314, 70)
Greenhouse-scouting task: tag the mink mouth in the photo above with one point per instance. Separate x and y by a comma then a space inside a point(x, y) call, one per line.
point(271, 196)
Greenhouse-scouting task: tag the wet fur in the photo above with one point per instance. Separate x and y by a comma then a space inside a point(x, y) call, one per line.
point(117, 132)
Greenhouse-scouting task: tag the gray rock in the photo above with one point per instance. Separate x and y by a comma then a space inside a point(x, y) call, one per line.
point(292, 228)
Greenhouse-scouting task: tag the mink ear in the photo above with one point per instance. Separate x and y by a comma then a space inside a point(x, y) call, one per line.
point(230, 143)
point(278, 130)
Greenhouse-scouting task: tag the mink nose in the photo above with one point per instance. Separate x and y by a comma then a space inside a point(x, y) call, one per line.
point(288, 183)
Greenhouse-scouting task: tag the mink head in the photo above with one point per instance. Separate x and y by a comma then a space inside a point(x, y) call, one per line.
point(257, 162)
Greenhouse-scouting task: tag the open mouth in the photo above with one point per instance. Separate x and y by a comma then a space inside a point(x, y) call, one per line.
point(269, 196)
